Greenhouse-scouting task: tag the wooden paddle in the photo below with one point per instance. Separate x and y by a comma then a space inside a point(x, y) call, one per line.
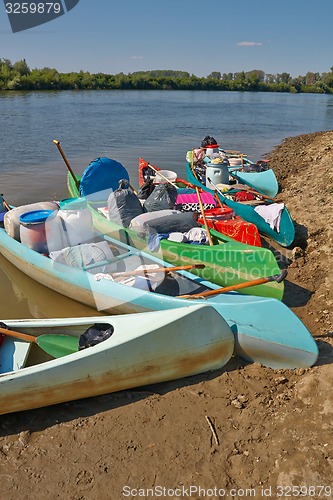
point(161, 175)
point(55, 345)
point(233, 152)
point(5, 204)
point(57, 143)
point(200, 204)
point(260, 281)
point(222, 205)
point(247, 202)
point(204, 217)
point(243, 187)
point(137, 272)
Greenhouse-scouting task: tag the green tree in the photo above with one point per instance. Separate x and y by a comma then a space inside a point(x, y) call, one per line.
point(21, 67)
point(283, 78)
point(215, 75)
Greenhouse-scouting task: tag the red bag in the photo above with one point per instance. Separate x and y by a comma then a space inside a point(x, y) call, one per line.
point(244, 196)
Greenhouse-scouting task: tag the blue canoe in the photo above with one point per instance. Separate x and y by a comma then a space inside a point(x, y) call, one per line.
point(264, 182)
point(284, 237)
point(265, 330)
point(247, 172)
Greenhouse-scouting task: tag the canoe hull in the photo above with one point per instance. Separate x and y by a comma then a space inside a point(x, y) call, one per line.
point(250, 318)
point(287, 229)
point(264, 182)
point(226, 263)
point(144, 349)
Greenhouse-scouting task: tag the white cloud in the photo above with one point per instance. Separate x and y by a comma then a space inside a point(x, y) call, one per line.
point(137, 57)
point(249, 44)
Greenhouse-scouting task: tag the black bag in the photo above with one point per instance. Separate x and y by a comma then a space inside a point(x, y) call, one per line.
point(162, 198)
point(208, 141)
point(146, 189)
point(95, 334)
point(123, 204)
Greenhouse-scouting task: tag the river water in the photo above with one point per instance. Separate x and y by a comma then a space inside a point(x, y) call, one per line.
point(160, 126)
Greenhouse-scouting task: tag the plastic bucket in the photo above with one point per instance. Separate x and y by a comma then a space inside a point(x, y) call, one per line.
point(76, 221)
point(163, 176)
point(234, 162)
point(218, 174)
point(32, 229)
point(220, 213)
point(12, 218)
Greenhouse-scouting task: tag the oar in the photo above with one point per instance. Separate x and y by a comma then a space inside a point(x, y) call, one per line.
point(77, 183)
point(233, 152)
point(204, 217)
point(57, 143)
point(137, 272)
point(217, 190)
point(260, 281)
point(161, 175)
point(5, 204)
point(222, 205)
point(55, 345)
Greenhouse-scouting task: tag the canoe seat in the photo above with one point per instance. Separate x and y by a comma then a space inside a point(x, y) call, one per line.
point(103, 263)
point(13, 354)
point(253, 202)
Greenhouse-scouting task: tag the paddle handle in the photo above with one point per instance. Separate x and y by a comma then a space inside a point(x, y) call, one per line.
point(5, 204)
point(260, 281)
point(158, 270)
point(57, 143)
point(18, 335)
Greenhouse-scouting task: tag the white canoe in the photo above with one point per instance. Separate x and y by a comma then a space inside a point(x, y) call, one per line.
point(145, 348)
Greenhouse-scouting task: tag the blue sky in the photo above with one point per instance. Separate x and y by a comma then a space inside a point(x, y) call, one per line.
point(114, 36)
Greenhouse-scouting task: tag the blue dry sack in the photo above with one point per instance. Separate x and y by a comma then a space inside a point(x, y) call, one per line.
point(100, 178)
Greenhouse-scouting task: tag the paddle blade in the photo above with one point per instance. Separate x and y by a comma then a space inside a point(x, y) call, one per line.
point(58, 345)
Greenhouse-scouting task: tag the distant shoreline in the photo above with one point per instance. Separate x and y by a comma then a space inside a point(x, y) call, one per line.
point(18, 76)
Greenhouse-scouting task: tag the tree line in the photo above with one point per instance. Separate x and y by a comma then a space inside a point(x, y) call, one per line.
point(18, 76)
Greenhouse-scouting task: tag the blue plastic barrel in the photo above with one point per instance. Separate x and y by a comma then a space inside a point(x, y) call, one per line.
point(32, 229)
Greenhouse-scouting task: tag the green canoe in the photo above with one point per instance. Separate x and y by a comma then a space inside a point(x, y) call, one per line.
point(227, 262)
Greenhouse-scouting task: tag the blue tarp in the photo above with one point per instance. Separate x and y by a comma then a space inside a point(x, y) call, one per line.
point(101, 177)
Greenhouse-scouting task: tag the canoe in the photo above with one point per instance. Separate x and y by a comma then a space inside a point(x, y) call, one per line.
point(143, 349)
point(244, 170)
point(227, 262)
point(264, 181)
point(265, 330)
point(234, 226)
point(286, 233)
